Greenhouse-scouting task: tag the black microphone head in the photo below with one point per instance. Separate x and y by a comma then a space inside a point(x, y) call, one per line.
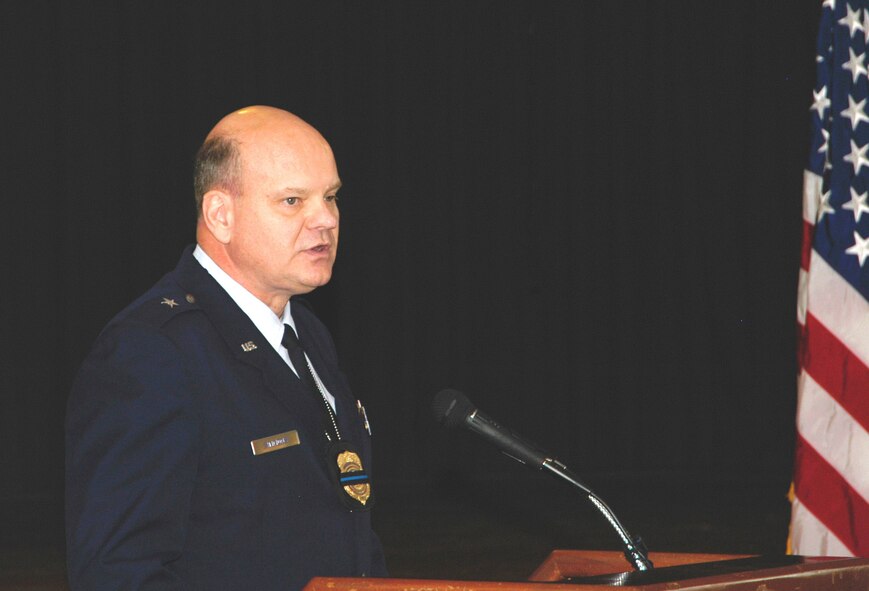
point(451, 408)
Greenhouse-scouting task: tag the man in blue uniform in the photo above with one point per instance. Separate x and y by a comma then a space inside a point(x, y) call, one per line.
point(212, 440)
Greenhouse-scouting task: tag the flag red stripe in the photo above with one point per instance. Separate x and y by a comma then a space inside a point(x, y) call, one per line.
point(825, 493)
point(836, 369)
point(808, 234)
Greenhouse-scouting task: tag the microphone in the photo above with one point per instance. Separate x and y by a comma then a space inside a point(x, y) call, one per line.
point(452, 409)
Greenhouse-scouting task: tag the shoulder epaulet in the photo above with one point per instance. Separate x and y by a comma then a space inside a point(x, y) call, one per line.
point(161, 308)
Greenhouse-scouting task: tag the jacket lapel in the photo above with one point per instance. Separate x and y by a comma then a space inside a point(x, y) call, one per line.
point(246, 342)
point(330, 376)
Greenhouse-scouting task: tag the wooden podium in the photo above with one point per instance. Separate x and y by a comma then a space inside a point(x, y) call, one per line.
point(581, 570)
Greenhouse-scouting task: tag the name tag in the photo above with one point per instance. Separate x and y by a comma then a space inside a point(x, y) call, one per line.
point(274, 442)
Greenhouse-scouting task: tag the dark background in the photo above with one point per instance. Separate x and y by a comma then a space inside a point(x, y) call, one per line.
point(585, 215)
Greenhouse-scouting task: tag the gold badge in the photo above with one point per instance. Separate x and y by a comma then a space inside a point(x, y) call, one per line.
point(353, 477)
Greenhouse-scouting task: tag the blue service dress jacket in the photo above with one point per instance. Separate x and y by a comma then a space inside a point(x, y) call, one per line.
point(163, 490)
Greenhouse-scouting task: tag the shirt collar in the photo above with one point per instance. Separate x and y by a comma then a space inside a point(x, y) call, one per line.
point(267, 322)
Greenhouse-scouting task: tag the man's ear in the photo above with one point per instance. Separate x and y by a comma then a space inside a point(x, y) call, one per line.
point(218, 214)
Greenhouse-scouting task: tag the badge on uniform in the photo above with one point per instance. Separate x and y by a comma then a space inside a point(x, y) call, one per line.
point(349, 476)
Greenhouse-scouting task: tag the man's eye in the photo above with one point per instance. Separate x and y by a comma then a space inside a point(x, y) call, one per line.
point(331, 198)
point(291, 200)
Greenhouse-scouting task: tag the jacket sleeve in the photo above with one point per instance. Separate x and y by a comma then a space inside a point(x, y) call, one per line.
point(131, 458)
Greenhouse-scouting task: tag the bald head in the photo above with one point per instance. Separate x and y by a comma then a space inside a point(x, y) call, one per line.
point(250, 121)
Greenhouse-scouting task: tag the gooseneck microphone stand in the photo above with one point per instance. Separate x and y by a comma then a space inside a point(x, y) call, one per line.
point(634, 549)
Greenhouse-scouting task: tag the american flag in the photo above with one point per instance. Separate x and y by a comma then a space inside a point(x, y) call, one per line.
point(830, 502)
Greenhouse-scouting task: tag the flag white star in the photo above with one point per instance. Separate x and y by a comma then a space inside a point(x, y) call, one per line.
point(824, 206)
point(860, 248)
point(855, 112)
point(857, 157)
point(852, 20)
point(826, 145)
point(821, 101)
point(855, 65)
point(857, 204)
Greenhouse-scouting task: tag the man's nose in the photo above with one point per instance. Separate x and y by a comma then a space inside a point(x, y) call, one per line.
point(323, 214)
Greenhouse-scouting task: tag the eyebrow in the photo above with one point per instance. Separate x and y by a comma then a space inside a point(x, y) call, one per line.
point(329, 189)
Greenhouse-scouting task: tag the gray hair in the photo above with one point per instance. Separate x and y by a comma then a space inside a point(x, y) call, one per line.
point(217, 166)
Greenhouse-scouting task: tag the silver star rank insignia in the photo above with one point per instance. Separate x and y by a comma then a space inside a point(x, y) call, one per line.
point(170, 303)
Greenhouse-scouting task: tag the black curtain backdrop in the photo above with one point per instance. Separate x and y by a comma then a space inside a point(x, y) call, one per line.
point(585, 215)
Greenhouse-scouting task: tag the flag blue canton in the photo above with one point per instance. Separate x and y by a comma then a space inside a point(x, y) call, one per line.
point(840, 142)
